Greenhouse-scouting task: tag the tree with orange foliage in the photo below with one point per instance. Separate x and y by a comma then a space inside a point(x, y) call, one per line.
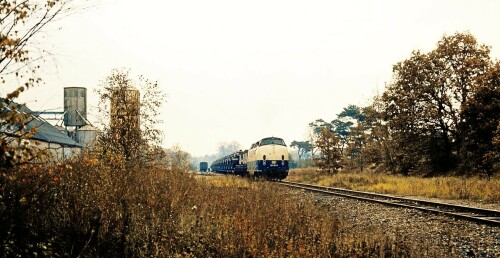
point(329, 158)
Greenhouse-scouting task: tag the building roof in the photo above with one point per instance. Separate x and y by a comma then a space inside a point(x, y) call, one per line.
point(45, 131)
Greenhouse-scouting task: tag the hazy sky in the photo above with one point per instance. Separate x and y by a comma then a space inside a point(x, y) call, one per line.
point(243, 70)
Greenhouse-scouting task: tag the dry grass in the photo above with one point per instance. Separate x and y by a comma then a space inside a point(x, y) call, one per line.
point(90, 208)
point(456, 188)
point(225, 181)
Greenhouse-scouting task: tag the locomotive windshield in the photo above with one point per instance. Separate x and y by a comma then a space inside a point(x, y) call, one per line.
point(272, 140)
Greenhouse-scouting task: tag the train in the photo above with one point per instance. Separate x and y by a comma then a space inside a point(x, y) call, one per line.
point(267, 158)
point(203, 166)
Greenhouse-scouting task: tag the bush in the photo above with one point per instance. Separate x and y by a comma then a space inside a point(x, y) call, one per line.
point(92, 209)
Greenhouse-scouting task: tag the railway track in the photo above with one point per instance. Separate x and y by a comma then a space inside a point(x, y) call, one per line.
point(484, 216)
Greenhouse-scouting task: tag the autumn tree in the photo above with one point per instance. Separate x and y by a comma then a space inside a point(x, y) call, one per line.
point(342, 129)
point(21, 23)
point(459, 62)
point(131, 112)
point(493, 155)
point(424, 101)
point(25, 191)
point(179, 160)
point(408, 112)
point(327, 143)
point(314, 130)
point(480, 124)
point(359, 132)
point(377, 148)
point(349, 128)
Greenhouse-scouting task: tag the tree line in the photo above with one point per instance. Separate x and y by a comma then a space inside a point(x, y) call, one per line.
point(439, 115)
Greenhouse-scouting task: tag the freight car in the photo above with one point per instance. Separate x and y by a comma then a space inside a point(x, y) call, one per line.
point(203, 166)
point(266, 158)
point(231, 164)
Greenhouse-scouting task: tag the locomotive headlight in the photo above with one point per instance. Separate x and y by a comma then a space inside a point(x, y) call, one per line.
point(264, 157)
point(282, 157)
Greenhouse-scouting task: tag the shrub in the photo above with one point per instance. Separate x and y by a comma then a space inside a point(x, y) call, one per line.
point(92, 209)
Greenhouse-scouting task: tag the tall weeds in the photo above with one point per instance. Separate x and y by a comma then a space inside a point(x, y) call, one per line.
point(88, 208)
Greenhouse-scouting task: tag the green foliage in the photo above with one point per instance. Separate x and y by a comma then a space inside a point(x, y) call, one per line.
point(353, 112)
point(303, 147)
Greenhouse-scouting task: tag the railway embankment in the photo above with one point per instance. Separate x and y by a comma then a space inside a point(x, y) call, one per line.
point(474, 191)
point(359, 223)
point(421, 230)
point(426, 231)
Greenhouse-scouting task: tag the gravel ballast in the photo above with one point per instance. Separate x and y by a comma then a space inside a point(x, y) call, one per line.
point(430, 233)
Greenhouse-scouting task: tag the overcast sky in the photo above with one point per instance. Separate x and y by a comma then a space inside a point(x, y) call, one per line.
point(243, 70)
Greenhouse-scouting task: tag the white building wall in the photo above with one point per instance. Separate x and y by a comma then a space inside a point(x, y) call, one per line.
point(57, 151)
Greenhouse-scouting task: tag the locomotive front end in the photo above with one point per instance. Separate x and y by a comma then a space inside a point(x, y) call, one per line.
point(269, 158)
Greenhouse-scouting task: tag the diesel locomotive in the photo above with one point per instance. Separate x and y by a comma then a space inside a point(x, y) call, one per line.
point(266, 158)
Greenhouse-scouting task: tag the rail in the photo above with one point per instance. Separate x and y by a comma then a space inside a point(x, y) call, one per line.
point(484, 216)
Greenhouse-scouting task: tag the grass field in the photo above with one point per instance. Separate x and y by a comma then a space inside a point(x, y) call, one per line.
point(454, 188)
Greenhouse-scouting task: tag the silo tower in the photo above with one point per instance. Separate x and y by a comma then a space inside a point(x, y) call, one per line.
point(125, 108)
point(75, 106)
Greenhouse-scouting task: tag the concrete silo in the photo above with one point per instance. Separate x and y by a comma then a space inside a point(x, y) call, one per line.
point(125, 108)
point(86, 135)
point(75, 106)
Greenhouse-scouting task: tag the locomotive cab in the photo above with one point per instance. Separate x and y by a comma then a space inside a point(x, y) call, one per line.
point(268, 158)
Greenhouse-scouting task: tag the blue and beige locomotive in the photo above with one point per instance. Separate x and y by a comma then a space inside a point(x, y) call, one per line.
point(266, 158)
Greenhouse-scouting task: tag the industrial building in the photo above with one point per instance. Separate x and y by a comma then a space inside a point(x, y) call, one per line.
point(47, 136)
point(63, 142)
